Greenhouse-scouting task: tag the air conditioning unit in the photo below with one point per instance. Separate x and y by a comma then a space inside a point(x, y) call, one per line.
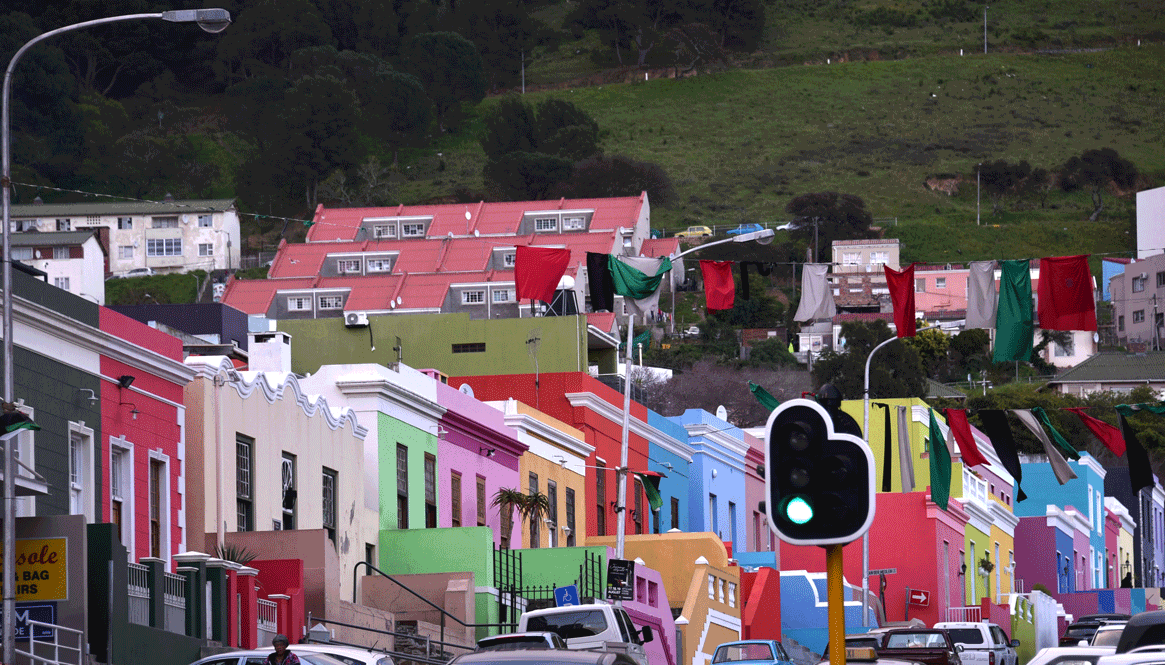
point(356, 319)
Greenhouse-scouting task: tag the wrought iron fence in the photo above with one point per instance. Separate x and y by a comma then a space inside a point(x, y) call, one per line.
point(174, 599)
point(139, 594)
point(268, 620)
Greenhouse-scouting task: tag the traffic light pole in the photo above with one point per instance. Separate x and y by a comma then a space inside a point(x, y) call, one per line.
point(836, 599)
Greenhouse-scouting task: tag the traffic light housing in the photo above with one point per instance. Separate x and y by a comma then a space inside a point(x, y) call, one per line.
point(820, 482)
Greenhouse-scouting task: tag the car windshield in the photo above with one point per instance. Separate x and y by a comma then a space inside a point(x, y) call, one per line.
point(733, 653)
point(1107, 638)
point(966, 635)
point(915, 641)
point(583, 623)
point(503, 643)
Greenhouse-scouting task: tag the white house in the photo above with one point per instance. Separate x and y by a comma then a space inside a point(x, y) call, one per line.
point(72, 260)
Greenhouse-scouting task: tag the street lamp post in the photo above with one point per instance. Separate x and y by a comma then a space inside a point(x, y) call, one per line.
point(978, 191)
point(764, 237)
point(210, 20)
point(984, 29)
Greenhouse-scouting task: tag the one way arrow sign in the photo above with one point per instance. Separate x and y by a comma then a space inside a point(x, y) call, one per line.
point(920, 598)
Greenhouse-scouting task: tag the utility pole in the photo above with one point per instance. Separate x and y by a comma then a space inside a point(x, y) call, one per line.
point(984, 29)
point(978, 190)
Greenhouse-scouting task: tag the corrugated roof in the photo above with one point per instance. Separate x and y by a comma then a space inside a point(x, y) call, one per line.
point(54, 238)
point(936, 389)
point(1111, 367)
point(656, 247)
point(121, 208)
point(253, 296)
point(483, 218)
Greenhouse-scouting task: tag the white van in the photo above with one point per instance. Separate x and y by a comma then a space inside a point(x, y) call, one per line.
point(596, 626)
point(983, 643)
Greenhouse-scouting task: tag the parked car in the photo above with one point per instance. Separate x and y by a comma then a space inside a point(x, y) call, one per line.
point(1069, 655)
point(869, 655)
point(983, 643)
point(695, 232)
point(691, 331)
point(1150, 654)
point(1142, 631)
point(512, 641)
point(345, 654)
point(135, 272)
point(1107, 635)
point(543, 657)
point(870, 640)
point(591, 626)
point(1082, 629)
point(771, 652)
point(930, 646)
point(790, 226)
point(745, 228)
point(259, 657)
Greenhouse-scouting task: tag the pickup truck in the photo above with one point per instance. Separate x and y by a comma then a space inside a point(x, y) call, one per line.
point(930, 646)
point(596, 626)
point(769, 652)
point(983, 643)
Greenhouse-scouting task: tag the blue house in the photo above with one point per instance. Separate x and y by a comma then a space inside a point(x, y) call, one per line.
point(671, 456)
point(716, 499)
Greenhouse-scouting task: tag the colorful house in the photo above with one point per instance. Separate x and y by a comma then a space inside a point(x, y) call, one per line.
point(1123, 547)
point(673, 463)
point(717, 502)
point(1048, 548)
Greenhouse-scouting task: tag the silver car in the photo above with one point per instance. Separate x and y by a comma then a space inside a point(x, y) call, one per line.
point(259, 657)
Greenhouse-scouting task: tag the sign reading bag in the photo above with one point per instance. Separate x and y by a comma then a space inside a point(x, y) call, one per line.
point(42, 569)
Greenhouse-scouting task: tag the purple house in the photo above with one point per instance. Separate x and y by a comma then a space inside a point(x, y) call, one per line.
point(477, 454)
point(1048, 549)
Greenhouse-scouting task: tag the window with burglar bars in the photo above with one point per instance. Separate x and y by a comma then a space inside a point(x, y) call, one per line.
point(431, 492)
point(290, 494)
point(244, 461)
point(455, 497)
point(481, 501)
point(552, 514)
point(675, 512)
point(535, 525)
point(402, 486)
point(570, 540)
point(156, 470)
point(329, 502)
point(601, 499)
point(638, 506)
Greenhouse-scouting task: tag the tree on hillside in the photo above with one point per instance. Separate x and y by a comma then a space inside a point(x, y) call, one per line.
point(896, 372)
point(707, 385)
point(525, 176)
point(265, 35)
point(449, 67)
point(633, 28)
point(603, 176)
point(836, 216)
point(366, 26)
point(1096, 169)
point(690, 46)
point(504, 31)
point(739, 23)
point(1000, 178)
point(932, 346)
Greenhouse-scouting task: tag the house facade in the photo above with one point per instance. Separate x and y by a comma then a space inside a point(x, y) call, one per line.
point(166, 236)
point(74, 261)
point(1138, 303)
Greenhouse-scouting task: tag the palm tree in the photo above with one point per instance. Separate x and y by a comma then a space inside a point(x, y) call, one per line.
point(506, 499)
point(536, 508)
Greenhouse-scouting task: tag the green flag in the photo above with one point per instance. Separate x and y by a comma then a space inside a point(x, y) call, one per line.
point(763, 396)
point(650, 482)
point(630, 282)
point(1061, 442)
point(940, 466)
point(13, 422)
point(1013, 322)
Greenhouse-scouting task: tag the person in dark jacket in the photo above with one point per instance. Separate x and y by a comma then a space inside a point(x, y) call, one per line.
point(281, 656)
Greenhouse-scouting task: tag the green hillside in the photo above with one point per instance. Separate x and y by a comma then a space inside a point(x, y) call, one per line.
point(740, 144)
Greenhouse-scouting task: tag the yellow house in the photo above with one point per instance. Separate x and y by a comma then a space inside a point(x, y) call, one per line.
point(1124, 539)
point(695, 573)
point(558, 455)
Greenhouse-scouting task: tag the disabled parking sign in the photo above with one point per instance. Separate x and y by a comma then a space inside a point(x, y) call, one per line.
point(565, 596)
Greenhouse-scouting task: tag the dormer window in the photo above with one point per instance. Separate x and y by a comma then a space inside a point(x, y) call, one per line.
point(545, 224)
point(412, 230)
point(384, 231)
point(348, 266)
point(331, 302)
point(379, 265)
point(574, 223)
point(476, 297)
point(509, 259)
point(299, 303)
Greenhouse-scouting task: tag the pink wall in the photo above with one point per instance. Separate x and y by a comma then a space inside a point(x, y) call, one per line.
point(934, 299)
point(652, 608)
point(1033, 535)
point(454, 457)
point(1081, 580)
point(754, 493)
point(154, 428)
point(1112, 526)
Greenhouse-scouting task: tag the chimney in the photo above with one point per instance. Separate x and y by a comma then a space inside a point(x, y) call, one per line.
point(169, 198)
point(269, 351)
point(38, 201)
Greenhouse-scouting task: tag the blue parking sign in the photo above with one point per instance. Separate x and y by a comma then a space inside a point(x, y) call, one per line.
point(565, 596)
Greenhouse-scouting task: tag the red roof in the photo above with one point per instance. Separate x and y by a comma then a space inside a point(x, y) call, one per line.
point(604, 321)
point(483, 218)
point(656, 247)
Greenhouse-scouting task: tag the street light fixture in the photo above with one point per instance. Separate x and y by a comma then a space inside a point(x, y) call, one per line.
point(764, 237)
point(210, 20)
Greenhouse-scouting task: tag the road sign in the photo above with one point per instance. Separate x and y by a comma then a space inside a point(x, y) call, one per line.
point(919, 597)
point(883, 571)
point(565, 596)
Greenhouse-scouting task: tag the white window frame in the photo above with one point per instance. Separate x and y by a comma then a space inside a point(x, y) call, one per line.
point(61, 283)
point(412, 229)
point(21, 225)
point(205, 249)
point(164, 540)
point(64, 224)
point(1139, 316)
point(81, 485)
point(348, 266)
point(129, 517)
point(473, 297)
point(299, 303)
point(163, 247)
point(384, 231)
point(851, 258)
point(125, 251)
point(165, 222)
point(502, 295)
point(125, 223)
point(22, 254)
point(331, 301)
point(940, 282)
point(205, 221)
point(1139, 284)
point(920, 285)
point(545, 224)
point(574, 223)
point(510, 259)
point(879, 257)
point(379, 265)
point(60, 253)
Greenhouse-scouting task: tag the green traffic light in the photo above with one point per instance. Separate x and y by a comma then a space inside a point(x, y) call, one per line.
point(798, 510)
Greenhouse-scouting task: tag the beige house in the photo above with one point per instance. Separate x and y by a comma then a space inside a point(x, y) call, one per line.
point(265, 456)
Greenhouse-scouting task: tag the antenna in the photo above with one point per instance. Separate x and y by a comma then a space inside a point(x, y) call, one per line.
point(533, 342)
point(400, 350)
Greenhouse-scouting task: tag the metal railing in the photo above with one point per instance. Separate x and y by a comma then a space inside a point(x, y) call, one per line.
point(55, 646)
point(971, 613)
point(268, 621)
point(139, 594)
point(174, 599)
point(407, 646)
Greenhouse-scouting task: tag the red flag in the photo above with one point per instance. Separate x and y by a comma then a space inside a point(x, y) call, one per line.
point(537, 271)
point(957, 419)
point(1065, 294)
point(1109, 435)
point(719, 291)
point(901, 283)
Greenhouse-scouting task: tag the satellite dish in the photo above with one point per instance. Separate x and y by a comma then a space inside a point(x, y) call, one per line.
point(722, 413)
point(398, 300)
point(567, 282)
point(476, 233)
point(449, 234)
point(468, 216)
point(467, 389)
point(1096, 337)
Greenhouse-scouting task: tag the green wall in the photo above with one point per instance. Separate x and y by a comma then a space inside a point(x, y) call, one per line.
point(427, 341)
point(422, 551)
point(418, 442)
point(1024, 630)
point(982, 543)
point(559, 566)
